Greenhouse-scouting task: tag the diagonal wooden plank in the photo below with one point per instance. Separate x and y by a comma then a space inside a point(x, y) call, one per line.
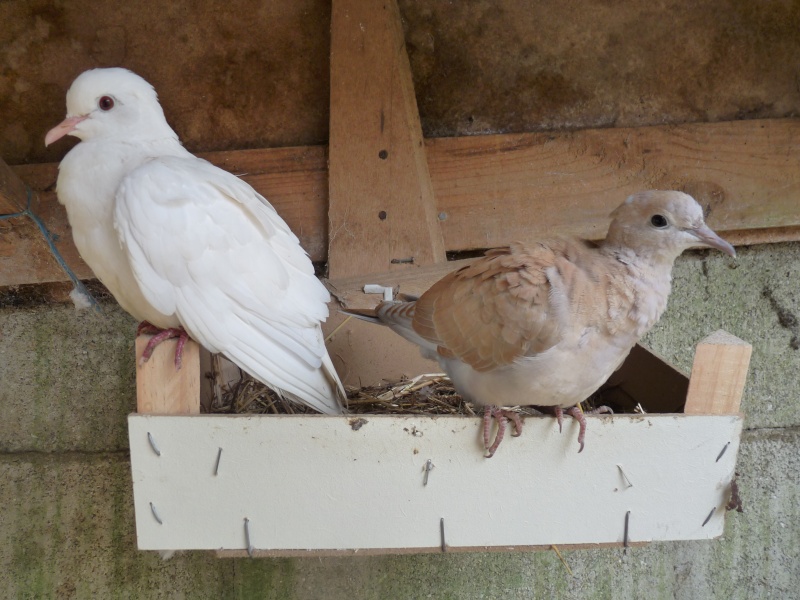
point(381, 205)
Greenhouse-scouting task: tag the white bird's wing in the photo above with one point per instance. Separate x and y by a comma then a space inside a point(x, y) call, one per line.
point(203, 245)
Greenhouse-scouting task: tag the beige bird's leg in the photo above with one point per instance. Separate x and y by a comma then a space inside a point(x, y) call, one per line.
point(502, 417)
point(159, 335)
point(576, 412)
point(559, 413)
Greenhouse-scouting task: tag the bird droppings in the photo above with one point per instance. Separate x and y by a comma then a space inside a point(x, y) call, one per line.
point(356, 424)
point(413, 431)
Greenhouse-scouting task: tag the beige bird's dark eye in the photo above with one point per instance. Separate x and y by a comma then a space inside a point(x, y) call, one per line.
point(106, 103)
point(659, 221)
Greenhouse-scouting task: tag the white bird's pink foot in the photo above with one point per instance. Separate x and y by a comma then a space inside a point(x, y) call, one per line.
point(501, 416)
point(160, 335)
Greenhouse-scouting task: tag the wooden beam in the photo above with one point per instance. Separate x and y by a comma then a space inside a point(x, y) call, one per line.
point(349, 290)
point(382, 207)
point(501, 187)
point(160, 388)
point(13, 195)
point(718, 375)
point(494, 189)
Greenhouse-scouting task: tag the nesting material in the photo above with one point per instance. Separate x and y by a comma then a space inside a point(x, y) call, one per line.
point(427, 394)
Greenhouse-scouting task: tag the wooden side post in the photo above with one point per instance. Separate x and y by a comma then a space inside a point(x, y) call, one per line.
point(160, 388)
point(718, 375)
point(382, 211)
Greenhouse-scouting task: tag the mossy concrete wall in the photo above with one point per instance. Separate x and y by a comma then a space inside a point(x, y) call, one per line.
point(67, 527)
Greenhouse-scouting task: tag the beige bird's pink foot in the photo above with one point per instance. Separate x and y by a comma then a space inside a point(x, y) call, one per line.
point(501, 416)
point(160, 335)
point(576, 413)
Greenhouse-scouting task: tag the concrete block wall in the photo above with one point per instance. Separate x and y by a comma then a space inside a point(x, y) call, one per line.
point(67, 527)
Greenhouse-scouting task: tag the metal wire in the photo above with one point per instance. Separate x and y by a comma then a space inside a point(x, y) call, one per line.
point(51, 240)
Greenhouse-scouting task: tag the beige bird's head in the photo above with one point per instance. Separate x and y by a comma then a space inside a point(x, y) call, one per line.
point(112, 104)
point(659, 225)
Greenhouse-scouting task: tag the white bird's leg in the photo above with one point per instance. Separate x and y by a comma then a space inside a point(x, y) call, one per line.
point(502, 417)
point(147, 328)
point(159, 335)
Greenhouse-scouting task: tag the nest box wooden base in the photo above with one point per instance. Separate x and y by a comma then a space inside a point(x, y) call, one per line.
point(332, 485)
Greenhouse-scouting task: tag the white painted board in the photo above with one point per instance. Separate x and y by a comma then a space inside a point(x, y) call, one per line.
point(316, 483)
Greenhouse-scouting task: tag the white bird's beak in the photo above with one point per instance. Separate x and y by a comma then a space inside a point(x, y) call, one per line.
point(708, 238)
point(66, 127)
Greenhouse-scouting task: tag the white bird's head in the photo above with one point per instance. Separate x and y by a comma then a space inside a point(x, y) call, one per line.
point(660, 225)
point(112, 103)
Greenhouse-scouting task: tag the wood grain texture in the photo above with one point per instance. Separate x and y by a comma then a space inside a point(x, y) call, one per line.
point(13, 196)
point(719, 373)
point(516, 187)
point(160, 388)
point(495, 189)
point(381, 197)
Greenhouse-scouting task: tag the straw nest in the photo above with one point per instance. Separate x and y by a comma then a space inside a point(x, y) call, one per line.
point(428, 394)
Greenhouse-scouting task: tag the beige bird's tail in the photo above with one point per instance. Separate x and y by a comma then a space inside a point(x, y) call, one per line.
point(399, 317)
point(365, 314)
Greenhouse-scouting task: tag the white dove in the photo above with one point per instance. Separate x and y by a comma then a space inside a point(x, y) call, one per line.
point(547, 324)
point(186, 247)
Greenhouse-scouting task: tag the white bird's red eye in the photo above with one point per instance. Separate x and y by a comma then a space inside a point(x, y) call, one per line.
point(106, 103)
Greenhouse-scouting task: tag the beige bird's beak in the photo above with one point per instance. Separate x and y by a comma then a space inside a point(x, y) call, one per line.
point(66, 127)
point(708, 238)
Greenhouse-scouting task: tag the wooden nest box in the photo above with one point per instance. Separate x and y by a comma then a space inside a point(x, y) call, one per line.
point(383, 206)
point(288, 485)
point(284, 485)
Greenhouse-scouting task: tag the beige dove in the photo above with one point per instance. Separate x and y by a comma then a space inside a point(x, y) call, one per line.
point(546, 324)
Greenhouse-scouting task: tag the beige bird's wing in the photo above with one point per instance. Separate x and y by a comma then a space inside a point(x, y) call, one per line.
point(494, 310)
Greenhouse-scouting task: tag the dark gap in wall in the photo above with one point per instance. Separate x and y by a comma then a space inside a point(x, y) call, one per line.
point(37, 294)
